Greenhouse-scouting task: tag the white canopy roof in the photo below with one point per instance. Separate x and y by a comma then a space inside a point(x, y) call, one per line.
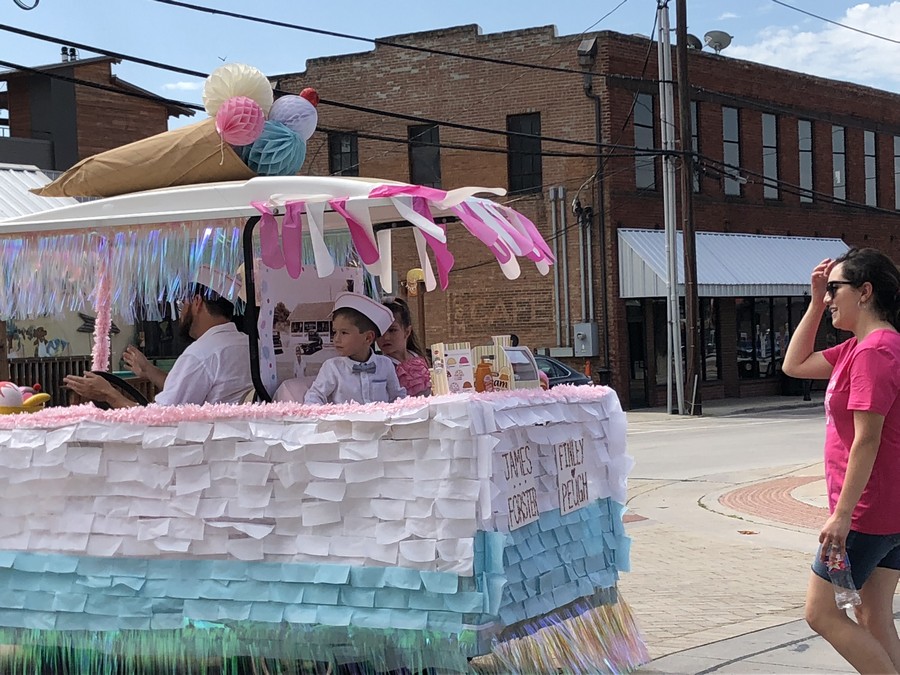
point(211, 201)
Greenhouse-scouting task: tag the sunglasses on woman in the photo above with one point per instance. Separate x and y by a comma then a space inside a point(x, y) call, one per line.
point(832, 286)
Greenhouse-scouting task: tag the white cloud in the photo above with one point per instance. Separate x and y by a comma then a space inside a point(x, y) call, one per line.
point(728, 15)
point(183, 86)
point(833, 51)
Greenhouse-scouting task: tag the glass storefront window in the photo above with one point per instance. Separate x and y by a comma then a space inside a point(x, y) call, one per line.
point(709, 348)
point(764, 338)
point(781, 327)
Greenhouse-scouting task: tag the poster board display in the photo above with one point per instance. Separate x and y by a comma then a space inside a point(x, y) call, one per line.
point(295, 336)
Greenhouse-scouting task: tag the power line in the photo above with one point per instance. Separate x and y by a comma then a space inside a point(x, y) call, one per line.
point(837, 23)
point(510, 82)
point(337, 104)
point(368, 136)
point(379, 42)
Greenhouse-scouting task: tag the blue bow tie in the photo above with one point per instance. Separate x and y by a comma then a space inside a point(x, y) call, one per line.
point(368, 367)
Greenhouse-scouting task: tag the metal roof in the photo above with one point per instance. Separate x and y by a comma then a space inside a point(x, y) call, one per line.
point(728, 265)
point(15, 199)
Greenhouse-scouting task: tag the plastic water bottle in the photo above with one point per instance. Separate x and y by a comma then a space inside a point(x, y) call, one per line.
point(845, 593)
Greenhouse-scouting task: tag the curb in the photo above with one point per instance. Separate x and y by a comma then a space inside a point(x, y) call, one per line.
point(772, 408)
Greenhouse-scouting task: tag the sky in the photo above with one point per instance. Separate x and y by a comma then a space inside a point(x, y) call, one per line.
point(762, 30)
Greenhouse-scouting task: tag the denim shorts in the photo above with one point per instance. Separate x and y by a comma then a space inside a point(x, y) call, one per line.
point(866, 552)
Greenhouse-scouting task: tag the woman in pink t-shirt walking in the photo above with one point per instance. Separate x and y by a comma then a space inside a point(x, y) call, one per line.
point(861, 290)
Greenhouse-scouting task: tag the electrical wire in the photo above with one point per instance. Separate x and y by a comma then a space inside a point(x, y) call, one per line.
point(505, 85)
point(379, 42)
point(837, 23)
point(369, 136)
point(337, 104)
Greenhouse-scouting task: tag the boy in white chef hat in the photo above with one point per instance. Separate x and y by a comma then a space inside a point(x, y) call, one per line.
point(358, 374)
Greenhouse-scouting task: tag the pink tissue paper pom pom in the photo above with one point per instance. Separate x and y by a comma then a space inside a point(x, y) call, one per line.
point(240, 120)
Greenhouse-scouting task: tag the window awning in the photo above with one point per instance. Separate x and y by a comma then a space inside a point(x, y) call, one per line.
point(728, 265)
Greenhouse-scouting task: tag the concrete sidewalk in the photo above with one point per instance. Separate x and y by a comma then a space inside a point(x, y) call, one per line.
point(789, 648)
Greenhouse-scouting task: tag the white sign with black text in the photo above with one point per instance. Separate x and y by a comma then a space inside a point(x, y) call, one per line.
point(572, 475)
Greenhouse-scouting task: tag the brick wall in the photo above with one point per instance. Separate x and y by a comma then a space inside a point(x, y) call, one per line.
point(480, 302)
point(108, 120)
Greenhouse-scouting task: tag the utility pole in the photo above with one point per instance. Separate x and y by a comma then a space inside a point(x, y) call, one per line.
point(693, 329)
point(667, 126)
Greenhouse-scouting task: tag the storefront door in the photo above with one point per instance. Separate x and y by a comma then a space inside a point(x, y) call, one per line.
point(637, 354)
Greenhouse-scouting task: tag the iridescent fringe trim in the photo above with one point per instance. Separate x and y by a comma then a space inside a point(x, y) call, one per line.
point(580, 638)
point(46, 275)
point(243, 649)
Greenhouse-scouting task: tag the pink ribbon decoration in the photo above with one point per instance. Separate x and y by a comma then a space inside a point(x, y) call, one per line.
point(269, 242)
point(292, 237)
point(531, 229)
point(478, 229)
point(429, 193)
point(365, 246)
point(442, 255)
point(520, 244)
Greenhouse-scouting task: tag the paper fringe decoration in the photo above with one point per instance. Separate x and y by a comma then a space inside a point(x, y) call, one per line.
point(48, 275)
point(244, 648)
point(578, 639)
point(102, 306)
point(152, 264)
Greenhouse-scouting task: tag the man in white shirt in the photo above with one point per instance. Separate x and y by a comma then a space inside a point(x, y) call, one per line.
point(215, 368)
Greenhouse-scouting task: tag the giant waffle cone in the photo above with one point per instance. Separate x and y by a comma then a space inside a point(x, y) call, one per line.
point(185, 156)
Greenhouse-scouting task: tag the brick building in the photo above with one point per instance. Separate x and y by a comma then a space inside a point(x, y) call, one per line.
point(817, 159)
point(52, 123)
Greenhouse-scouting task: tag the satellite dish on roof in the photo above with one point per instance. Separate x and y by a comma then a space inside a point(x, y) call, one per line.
point(693, 42)
point(717, 39)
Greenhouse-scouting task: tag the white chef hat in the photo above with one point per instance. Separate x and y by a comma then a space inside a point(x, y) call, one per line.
point(373, 310)
point(225, 285)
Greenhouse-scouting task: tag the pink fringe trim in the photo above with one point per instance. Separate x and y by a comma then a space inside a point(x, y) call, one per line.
point(103, 323)
point(157, 415)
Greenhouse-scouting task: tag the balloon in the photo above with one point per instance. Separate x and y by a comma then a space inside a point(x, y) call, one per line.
point(277, 152)
point(297, 114)
point(240, 120)
point(236, 79)
point(311, 95)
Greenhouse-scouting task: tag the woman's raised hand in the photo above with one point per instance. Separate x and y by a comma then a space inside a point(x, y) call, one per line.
point(819, 278)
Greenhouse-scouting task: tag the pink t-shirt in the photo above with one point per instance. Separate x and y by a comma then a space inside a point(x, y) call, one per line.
point(866, 376)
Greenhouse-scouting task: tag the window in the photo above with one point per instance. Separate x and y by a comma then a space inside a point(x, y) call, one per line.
point(897, 172)
point(644, 166)
point(695, 142)
point(839, 162)
point(870, 166)
point(805, 144)
point(770, 156)
point(524, 153)
point(343, 154)
point(731, 150)
point(424, 155)
point(709, 348)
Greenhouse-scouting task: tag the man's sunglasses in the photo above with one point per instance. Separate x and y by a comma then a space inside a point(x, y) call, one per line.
point(832, 286)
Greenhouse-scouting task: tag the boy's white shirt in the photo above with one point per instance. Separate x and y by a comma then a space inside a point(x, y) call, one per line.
point(337, 382)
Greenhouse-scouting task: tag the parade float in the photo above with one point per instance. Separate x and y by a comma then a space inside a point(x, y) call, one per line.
point(464, 532)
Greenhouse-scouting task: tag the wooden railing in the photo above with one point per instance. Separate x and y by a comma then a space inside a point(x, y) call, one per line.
point(49, 372)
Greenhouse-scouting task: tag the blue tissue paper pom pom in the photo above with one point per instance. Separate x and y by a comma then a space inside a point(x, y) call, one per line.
point(277, 152)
